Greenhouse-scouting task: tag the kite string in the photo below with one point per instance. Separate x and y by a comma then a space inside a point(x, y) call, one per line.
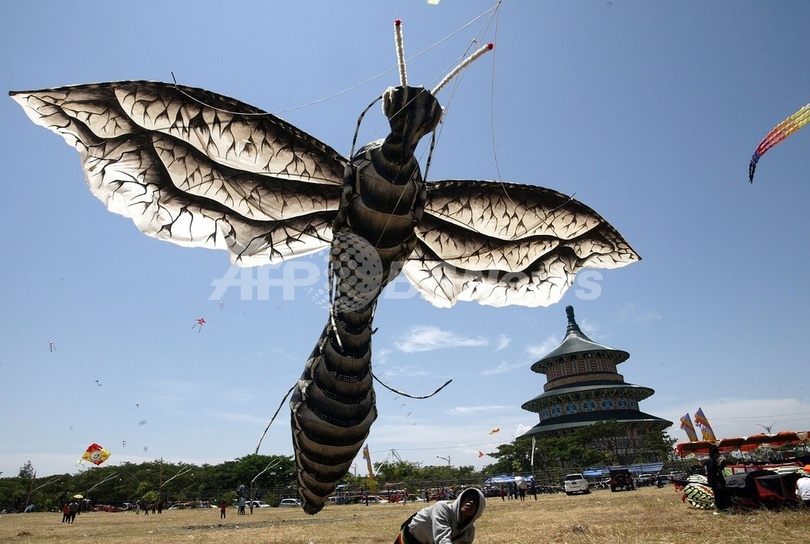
point(492, 113)
point(347, 89)
point(273, 419)
point(287, 394)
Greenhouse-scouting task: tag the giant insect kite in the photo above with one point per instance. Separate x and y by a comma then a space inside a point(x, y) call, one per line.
point(200, 169)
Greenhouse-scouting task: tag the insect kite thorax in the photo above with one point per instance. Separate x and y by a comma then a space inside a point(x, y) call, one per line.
point(333, 403)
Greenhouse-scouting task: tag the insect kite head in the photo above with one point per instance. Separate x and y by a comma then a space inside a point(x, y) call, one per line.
point(414, 112)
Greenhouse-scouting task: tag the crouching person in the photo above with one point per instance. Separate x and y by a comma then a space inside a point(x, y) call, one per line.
point(445, 521)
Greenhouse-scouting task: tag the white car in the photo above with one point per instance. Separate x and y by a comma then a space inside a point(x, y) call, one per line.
point(575, 483)
point(290, 502)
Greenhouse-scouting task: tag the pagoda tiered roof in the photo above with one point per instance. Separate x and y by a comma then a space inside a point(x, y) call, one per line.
point(583, 387)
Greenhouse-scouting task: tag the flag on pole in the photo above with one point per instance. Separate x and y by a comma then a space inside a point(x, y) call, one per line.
point(705, 428)
point(686, 425)
point(367, 457)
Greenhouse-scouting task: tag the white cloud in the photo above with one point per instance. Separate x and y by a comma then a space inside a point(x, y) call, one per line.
point(538, 351)
point(521, 428)
point(632, 314)
point(503, 342)
point(504, 367)
point(404, 370)
point(423, 338)
point(467, 410)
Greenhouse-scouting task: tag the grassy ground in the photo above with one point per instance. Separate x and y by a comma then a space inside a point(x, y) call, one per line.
point(648, 515)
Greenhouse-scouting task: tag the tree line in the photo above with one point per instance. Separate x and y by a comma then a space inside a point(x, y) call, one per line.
point(272, 478)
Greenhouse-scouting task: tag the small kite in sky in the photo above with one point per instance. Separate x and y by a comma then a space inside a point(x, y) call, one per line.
point(51, 347)
point(95, 454)
point(495, 430)
point(480, 454)
point(200, 322)
point(779, 133)
point(98, 383)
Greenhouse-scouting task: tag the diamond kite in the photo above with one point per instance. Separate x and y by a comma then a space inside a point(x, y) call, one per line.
point(95, 454)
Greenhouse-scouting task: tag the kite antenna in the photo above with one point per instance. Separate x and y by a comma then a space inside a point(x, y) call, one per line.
point(403, 78)
point(466, 62)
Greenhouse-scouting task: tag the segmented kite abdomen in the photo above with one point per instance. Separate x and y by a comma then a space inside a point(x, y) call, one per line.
point(333, 407)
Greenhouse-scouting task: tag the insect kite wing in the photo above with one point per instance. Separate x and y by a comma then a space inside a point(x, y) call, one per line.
point(502, 244)
point(197, 168)
point(779, 133)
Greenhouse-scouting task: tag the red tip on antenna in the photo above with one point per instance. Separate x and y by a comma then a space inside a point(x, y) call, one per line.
point(490, 46)
point(397, 22)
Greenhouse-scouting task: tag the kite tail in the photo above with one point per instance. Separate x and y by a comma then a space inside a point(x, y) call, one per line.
point(752, 166)
point(333, 406)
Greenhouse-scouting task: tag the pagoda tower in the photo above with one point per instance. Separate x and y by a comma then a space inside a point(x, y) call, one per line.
point(583, 388)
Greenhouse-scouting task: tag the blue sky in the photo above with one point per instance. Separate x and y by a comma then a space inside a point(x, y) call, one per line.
point(646, 111)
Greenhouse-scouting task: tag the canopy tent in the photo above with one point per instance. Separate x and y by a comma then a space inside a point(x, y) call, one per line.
point(745, 443)
point(507, 479)
point(638, 468)
point(778, 440)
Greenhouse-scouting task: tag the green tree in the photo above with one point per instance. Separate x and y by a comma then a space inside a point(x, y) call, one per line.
point(27, 471)
point(398, 471)
point(514, 457)
point(656, 446)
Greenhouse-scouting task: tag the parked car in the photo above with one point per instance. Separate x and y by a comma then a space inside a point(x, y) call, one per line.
point(621, 479)
point(290, 502)
point(257, 504)
point(575, 483)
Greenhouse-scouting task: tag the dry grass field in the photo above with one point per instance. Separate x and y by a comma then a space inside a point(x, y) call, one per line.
point(648, 515)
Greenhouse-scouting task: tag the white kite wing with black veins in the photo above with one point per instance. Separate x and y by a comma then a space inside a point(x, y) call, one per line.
point(503, 243)
point(197, 168)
